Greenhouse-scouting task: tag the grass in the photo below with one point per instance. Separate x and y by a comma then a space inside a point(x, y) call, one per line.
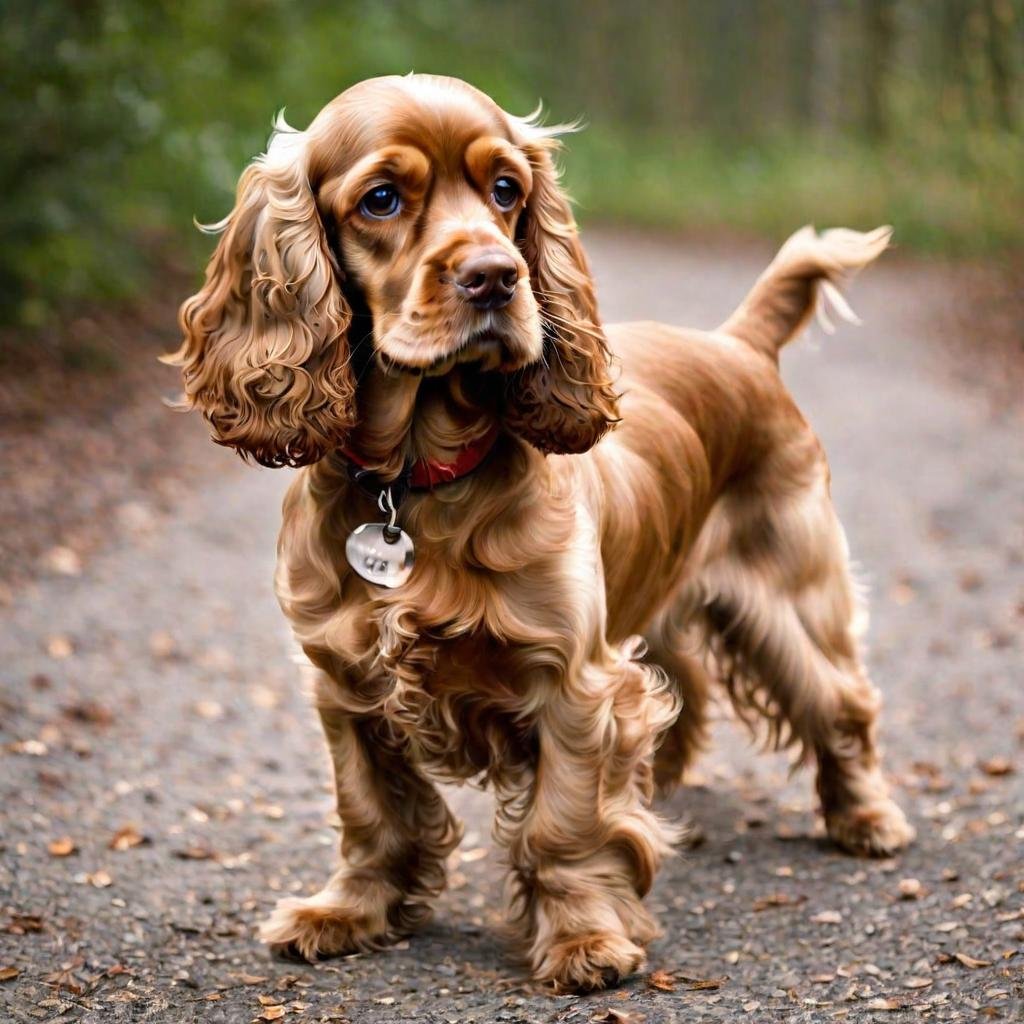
point(961, 198)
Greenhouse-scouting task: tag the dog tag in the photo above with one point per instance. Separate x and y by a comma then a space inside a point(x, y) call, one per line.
point(378, 560)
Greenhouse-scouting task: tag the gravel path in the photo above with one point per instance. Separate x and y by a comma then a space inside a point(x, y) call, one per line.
point(147, 702)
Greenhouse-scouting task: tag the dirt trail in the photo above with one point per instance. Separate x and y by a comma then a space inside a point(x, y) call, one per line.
point(153, 691)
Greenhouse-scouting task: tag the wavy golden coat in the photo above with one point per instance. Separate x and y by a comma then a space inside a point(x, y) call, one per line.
point(571, 601)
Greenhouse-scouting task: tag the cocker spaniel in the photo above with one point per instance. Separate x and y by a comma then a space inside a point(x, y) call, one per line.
point(523, 545)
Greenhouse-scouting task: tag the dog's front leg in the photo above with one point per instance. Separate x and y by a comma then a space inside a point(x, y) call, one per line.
point(583, 841)
point(396, 833)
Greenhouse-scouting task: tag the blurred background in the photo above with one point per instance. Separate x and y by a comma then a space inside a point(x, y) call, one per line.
point(121, 120)
point(161, 781)
point(709, 122)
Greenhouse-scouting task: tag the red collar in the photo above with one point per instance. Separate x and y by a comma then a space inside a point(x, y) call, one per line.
point(426, 474)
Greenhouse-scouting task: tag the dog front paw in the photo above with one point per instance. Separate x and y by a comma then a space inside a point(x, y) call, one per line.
point(584, 964)
point(877, 829)
point(323, 926)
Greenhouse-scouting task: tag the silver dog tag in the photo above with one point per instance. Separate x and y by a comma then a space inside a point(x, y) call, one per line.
point(377, 559)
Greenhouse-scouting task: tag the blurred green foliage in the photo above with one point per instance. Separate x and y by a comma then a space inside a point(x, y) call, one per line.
point(123, 119)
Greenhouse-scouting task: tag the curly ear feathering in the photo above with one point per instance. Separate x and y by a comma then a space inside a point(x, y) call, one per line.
point(565, 403)
point(548, 626)
point(265, 355)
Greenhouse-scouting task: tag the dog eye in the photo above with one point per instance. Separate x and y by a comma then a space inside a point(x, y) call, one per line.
point(505, 193)
point(380, 203)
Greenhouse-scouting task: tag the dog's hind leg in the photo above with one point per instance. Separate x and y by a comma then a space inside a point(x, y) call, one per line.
point(672, 647)
point(784, 616)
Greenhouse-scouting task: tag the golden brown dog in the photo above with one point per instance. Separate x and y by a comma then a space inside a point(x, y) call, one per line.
point(400, 289)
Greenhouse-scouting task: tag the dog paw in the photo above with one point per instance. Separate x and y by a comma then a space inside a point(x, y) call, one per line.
point(582, 965)
point(871, 830)
point(320, 927)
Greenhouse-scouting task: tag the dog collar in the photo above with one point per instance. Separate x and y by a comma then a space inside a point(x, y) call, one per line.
point(426, 474)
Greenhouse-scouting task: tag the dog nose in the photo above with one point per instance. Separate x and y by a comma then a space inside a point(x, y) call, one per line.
point(488, 281)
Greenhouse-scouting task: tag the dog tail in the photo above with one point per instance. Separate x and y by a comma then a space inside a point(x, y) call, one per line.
point(805, 276)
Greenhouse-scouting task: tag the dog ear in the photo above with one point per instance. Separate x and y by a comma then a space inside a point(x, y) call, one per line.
point(564, 403)
point(265, 355)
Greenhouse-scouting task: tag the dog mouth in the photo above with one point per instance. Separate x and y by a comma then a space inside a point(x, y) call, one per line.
point(487, 349)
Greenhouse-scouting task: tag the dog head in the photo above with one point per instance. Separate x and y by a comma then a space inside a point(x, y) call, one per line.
point(420, 201)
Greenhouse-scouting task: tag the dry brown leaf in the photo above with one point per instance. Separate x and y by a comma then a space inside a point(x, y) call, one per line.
point(827, 917)
point(88, 712)
point(269, 1000)
point(777, 899)
point(59, 647)
point(34, 748)
point(611, 1016)
point(126, 837)
point(662, 981)
point(63, 847)
point(9, 973)
point(63, 560)
point(972, 962)
point(704, 984)
point(23, 924)
point(65, 979)
point(910, 889)
point(249, 979)
point(195, 853)
point(272, 1013)
point(885, 1003)
point(100, 879)
point(211, 710)
point(996, 766)
point(162, 645)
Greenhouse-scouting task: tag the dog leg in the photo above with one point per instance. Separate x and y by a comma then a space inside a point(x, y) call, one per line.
point(584, 843)
point(669, 646)
point(785, 616)
point(396, 833)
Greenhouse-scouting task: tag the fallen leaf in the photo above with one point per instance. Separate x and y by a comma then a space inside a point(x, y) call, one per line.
point(612, 1016)
point(162, 645)
point(126, 837)
point(59, 647)
point(9, 973)
point(269, 1000)
point(24, 924)
point(272, 1013)
point(662, 981)
point(972, 962)
point(195, 853)
point(249, 979)
point(827, 917)
point(65, 978)
point(996, 766)
point(100, 879)
point(917, 983)
point(63, 560)
point(89, 712)
point(887, 1003)
point(704, 984)
point(63, 847)
point(34, 748)
point(777, 899)
point(910, 889)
